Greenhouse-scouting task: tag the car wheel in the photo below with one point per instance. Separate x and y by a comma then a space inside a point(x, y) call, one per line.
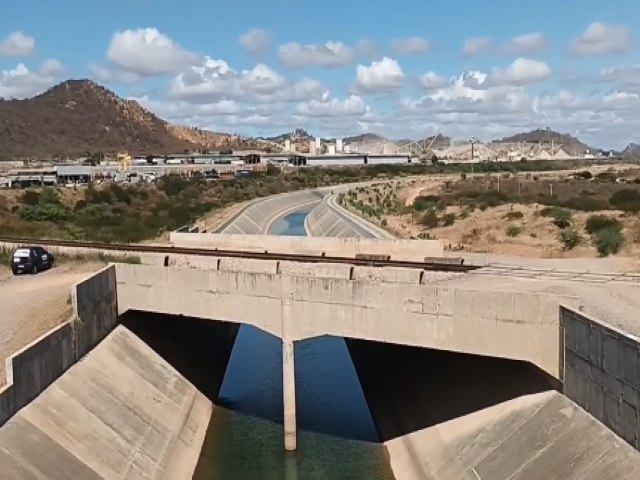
point(15, 272)
point(34, 270)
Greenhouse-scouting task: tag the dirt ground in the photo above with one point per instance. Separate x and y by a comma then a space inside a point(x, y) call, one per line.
point(31, 305)
point(487, 231)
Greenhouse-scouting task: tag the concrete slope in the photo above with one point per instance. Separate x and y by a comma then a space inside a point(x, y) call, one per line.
point(120, 413)
point(258, 217)
point(541, 436)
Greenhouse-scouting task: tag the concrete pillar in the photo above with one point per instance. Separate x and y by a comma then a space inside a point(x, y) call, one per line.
point(289, 396)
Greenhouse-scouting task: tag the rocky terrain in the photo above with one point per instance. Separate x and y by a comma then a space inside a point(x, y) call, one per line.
point(80, 117)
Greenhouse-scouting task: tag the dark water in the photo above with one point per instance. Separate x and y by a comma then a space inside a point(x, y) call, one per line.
point(336, 435)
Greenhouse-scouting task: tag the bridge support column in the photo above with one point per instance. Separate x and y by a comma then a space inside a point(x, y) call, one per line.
point(289, 396)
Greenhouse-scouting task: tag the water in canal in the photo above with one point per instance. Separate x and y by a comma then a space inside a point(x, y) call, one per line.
point(336, 435)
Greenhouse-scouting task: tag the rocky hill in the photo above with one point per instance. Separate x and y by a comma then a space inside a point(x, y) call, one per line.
point(79, 117)
point(569, 143)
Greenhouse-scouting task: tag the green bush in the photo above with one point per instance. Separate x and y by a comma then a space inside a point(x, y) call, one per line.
point(587, 204)
point(561, 216)
point(570, 238)
point(513, 215)
point(448, 219)
point(627, 200)
point(598, 222)
point(608, 241)
point(514, 230)
point(430, 219)
point(425, 202)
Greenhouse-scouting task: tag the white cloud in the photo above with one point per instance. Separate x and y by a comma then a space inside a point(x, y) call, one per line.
point(411, 46)
point(20, 82)
point(332, 107)
point(105, 75)
point(432, 81)
point(522, 71)
point(602, 39)
point(256, 41)
point(17, 44)
point(525, 44)
point(383, 76)
point(147, 52)
point(477, 46)
point(328, 55)
point(214, 80)
point(625, 77)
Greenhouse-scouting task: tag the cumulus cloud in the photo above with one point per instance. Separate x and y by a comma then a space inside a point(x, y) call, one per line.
point(383, 76)
point(20, 82)
point(411, 46)
point(17, 44)
point(602, 39)
point(332, 107)
point(522, 71)
point(626, 77)
point(256, 41)
point(477, 46)
point(329, 55)
point(431, 81)
point(215, 80)
point(147, 52)
point(367, 48)
point(526, 44)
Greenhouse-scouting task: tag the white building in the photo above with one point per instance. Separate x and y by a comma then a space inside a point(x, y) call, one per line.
point(339, 147)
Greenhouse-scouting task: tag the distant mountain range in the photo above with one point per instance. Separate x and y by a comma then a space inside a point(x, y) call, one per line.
point(80, 117)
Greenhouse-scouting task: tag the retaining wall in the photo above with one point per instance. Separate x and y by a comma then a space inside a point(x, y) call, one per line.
point(602, 372)
point(83, 252)
point(32, 369)
point(412, 250)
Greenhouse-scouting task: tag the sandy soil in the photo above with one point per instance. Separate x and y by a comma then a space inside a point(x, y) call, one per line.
point(31, 305)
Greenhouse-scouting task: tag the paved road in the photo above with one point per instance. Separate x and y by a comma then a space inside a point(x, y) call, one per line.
point(30, 305)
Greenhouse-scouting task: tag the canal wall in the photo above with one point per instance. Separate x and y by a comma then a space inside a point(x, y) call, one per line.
point(258, 216)
point(32, 369)
point(514, 325)
point(542, 435)
point(411, 250)
point(122, 412)
point(602, 372)
point(328, 219)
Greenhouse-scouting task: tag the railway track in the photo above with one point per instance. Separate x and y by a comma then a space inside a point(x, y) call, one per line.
point(207, 252)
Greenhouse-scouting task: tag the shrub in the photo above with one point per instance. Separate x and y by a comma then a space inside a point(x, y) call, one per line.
point(626, 199)
point(514, 230)
point(425, 202)
point(598, 222)
point(570, 238)
point(430, 219)
point(608, 241)
point(561, 217)
point(586, 175)
point(448, 219)
point(587, 204)
point(383, 223)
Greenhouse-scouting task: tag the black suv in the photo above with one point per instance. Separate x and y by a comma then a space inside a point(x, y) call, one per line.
point(31, 259)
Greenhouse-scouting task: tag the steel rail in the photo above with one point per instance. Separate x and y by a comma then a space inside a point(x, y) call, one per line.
point(266, 255)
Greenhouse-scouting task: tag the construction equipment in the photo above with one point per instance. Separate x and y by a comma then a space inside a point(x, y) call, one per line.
point(124, 161)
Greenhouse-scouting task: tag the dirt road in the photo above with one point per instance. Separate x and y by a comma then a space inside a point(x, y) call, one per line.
point(30, 305)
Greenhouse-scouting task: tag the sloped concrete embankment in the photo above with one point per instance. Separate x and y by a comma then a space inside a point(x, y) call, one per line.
point(123, 412)
point(602, 372)
point(40, 363)
point(258, 217)
point(87, 401)
point(328, 219)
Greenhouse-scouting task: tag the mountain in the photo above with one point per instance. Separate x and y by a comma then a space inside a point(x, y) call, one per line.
point(569, 143)
point(364, 138)
point(80, 117)
point(299, 134)
point(632, 148)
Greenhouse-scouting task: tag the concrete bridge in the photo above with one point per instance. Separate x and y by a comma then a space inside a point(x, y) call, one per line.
point(103, 403)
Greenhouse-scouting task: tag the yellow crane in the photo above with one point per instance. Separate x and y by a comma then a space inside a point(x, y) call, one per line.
point(124, 161)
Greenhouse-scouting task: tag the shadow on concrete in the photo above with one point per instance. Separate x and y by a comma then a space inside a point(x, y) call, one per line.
point(409, 389)
point(198, 349)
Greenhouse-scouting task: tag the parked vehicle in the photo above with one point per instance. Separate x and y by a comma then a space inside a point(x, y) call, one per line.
point(31, 259)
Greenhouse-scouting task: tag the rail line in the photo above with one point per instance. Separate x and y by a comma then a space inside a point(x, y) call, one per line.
point(207, 252)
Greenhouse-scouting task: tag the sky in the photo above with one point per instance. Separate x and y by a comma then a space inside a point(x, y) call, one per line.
point(403, 69)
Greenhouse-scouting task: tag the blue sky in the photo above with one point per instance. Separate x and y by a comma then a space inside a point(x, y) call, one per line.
point(396, 68)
